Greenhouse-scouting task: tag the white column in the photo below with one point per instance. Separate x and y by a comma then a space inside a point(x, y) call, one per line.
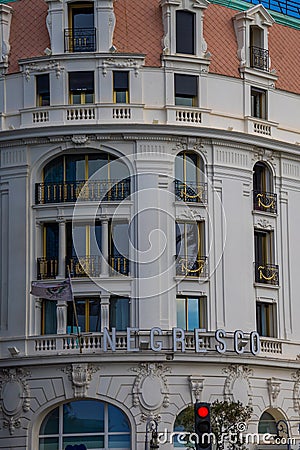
point(61, 314)
point(38, 316)
point(62, 249)
point(104, 311)
point(104, 249)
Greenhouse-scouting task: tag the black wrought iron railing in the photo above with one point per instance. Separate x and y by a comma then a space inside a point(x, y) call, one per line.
point(266, 273)
point(106, 190)
point(84, 266)
point(265, 201)
point(191, 192)
point(47, 268)
point(259, 58)
point(119, 264)
point(80, 40)
point(192, 266)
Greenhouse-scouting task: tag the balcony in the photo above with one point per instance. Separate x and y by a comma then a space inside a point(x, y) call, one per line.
point(119, 265)
point(191, 192)
point(80, 40)
point(84, 266)
point(259, 58)
point(106, 190)
point(191, 266)
point(267, 274)
point(47, 268)
point(265, 201)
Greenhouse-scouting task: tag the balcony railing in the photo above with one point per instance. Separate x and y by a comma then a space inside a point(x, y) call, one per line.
point(191, 192)
point(47, 268)
point(267, 273)
point(84, 266)
point(119, 264)
point(80, 40)
point(191, 266)
point(112, 190)
point(265, 201)
point(259, 58)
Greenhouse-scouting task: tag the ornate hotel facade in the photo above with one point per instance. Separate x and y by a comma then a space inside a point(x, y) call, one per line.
point(150, 150)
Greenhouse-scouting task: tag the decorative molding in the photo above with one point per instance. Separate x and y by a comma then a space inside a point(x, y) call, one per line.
point(263, 224)
point(14, 397)
point(234, 373)
point(196, 387)
point(291, 170)
point(190, 214)
point(14, 157)
point(150, 389)
point(273, 389)
point(80, 375)
point(296, 390)
point(35, 67)
point(79, 139)
point(115, 63)
point(232, 157)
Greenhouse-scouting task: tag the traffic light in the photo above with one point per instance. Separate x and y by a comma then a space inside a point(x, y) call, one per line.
point(202, 426)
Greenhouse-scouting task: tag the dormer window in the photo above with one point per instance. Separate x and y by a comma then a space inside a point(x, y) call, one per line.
point(81, 35)
point(259, 56)
point(185, 32)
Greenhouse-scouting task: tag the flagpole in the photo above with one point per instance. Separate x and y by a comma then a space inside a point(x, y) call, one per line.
point(75, 313)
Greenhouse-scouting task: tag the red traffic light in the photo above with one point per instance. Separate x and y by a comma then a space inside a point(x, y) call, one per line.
point(203, 411)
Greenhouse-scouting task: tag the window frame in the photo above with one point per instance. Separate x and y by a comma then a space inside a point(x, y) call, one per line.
point(181, 96)
point(117, 90)
point(82, 92)
point(266, 318)
point(181, 32)
point(202, 311)
point(71, 320)
point(259, 101)
point(42, 98)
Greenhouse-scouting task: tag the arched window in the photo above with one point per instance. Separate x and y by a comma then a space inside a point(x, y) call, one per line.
point(65, 176)
point(263, 196)
point(267, 424)
point(184, 423)
point(189, 177)
point(90, 424)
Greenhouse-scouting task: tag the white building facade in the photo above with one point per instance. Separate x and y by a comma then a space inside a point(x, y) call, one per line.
point(170, 194)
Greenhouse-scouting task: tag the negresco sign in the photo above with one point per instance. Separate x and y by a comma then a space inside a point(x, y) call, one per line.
point(238, 340)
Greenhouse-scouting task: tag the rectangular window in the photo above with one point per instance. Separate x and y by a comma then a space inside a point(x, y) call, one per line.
point(264, 252)
point(258, 103)
point(49, 321)
point(42, 90)
point(88, 314)
point(185, 32)
point(119, 247)
point(191, 313)
point(190, 249)
point(119, 313)
point(186, 90)
point(81, 34)
point(81, 87)
point(121, 87)
point(266, 319)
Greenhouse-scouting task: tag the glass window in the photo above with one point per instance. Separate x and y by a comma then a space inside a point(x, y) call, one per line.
point(262, 178)
point(258, 103)
point(81, 87)
point(49, 318)
point(119, 246)
point(119, 313)
point(42, 90)
point(88, 423)
point(80, 37)
point(267, 424)
point(266, 319)
point(88, 315)
point(191, 313)
point(185, 32)
point(121, 87)
point(190, 239)
point(263, 247)
point(186, 90)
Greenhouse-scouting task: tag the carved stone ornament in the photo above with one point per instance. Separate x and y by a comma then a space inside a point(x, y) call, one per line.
point(129, 63)
point(34, 67)
point(190, 214)
point(14, 397)
point(79, 139)
point(296, 390)
point(274, 389)
point(80, 375)
point(263, 224)
point(150, 389)
point(237, 385)
point(196, 387)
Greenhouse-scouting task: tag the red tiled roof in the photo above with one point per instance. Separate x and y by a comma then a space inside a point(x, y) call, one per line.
point(139, 29)
point(29, 36)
